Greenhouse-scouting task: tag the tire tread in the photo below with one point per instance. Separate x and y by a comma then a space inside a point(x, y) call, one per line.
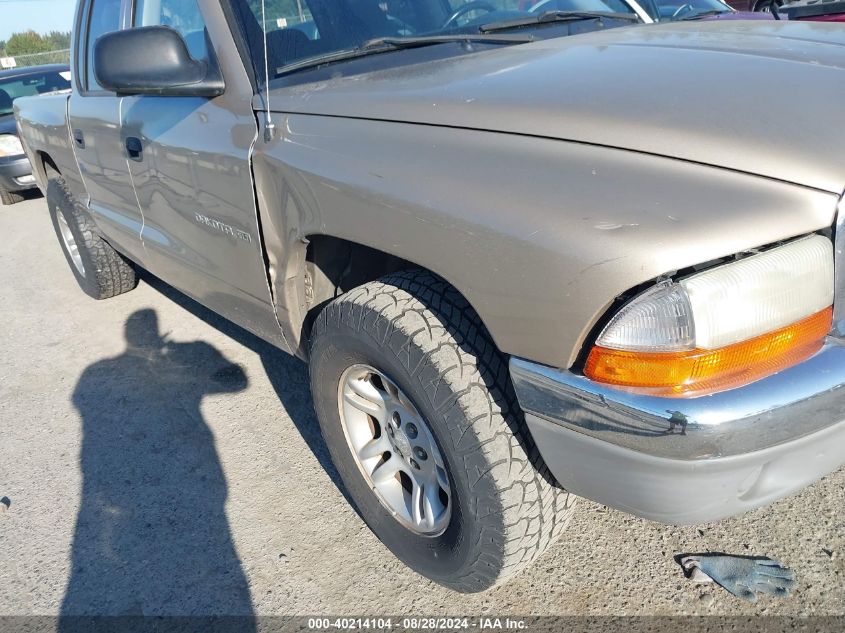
point(10, 197)
point(113, 273)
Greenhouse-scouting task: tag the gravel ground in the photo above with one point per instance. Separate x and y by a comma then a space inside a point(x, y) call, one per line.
point(186, 475)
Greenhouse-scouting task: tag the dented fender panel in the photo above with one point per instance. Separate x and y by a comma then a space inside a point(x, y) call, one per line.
point(540, 235)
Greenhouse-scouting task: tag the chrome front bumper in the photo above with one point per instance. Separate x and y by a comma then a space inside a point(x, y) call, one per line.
point(689, 460)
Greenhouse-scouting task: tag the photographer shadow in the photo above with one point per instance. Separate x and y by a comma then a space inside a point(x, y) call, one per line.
point(152, 536)
point(288, 375)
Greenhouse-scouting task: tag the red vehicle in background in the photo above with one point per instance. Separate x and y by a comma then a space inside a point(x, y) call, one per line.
point(815, 10)
point(755, 5)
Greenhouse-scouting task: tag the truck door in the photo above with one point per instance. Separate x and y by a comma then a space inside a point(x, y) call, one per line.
point(189, 161)
point(94, 121)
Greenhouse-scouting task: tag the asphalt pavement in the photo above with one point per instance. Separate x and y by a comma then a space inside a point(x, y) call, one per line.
point(155, 459)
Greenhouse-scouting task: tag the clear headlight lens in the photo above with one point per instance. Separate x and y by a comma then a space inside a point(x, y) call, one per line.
point(723, 326)
point(659, 320)
point(10, 145)
point(761, 293)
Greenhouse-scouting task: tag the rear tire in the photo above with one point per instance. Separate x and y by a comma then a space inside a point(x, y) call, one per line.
point(100, 270)
point(10, 197)
point(420, 333)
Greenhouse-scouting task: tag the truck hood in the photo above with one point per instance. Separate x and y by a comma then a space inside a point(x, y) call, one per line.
point(761, 97)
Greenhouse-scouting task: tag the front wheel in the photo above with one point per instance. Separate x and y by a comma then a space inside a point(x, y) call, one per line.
point(417, 409)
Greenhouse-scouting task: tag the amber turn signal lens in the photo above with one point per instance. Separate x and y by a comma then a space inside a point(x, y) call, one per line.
point(700, 371)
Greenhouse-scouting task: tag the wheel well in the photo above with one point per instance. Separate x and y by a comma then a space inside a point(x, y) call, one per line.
point(48, 165)
point(334, 265)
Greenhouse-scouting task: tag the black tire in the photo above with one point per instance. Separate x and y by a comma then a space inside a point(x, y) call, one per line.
point(9, 197)
point(105, 272)
point(418, 330)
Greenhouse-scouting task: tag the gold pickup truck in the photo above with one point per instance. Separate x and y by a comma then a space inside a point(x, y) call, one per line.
point(526, 255)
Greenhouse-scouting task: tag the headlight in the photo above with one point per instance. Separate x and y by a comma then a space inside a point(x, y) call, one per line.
point(10, 145)
point(722, 327)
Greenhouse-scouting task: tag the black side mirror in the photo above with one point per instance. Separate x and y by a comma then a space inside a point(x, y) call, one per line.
point(152, 60)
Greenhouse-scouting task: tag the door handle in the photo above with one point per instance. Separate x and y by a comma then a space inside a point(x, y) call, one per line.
point(134, 148)
point(79, 139)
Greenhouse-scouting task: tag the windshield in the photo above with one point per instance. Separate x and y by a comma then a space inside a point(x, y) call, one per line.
point(36, 83)
point(668, 10)
point(311, 29)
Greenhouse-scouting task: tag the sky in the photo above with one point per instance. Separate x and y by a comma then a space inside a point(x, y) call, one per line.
point(41, 16)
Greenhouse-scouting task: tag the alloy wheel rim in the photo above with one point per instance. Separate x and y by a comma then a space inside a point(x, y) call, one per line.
point(395, 450)
point(70, 244)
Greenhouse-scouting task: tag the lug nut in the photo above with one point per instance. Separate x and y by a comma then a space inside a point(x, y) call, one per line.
point(411, 431)
point(420, 453)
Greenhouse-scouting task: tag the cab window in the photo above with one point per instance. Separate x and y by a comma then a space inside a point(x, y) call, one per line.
point(183, 16)
point(103, 17)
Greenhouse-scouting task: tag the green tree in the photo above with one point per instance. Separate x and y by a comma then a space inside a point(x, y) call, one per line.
point(26, 43)
point(58, 40)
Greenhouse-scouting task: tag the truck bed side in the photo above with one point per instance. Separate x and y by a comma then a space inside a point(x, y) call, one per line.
point(46, 138)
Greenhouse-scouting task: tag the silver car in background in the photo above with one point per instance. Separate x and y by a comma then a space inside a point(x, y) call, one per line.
point(15, 171)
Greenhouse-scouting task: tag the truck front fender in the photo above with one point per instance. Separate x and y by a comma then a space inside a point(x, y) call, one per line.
point(540, 235)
